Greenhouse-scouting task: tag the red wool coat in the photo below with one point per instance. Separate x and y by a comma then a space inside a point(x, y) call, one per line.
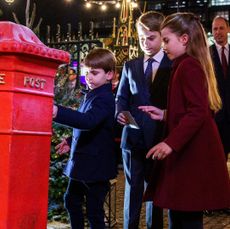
point(194, 177)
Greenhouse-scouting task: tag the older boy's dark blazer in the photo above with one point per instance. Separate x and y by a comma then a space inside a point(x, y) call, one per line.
point(132, 93)
point(92, 156)
point(223, 84)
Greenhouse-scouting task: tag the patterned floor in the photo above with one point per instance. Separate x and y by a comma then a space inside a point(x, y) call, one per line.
point(218, 220)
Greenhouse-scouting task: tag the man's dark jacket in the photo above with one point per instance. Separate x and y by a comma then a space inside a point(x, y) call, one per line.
point(223, 116)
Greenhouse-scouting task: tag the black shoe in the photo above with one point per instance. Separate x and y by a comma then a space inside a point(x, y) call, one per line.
point(226, 211)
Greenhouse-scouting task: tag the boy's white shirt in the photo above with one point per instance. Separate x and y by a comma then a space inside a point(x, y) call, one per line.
point(155, 65)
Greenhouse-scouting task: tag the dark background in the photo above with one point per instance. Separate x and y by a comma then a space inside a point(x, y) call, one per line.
point(62, 12)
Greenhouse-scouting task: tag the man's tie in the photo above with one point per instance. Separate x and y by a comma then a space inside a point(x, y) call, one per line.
point(149, 71)
point(224, 62)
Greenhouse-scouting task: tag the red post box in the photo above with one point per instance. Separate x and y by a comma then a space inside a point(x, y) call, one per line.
point(27, 69)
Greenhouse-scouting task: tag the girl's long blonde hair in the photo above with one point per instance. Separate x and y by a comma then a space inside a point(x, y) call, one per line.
point(197, 47)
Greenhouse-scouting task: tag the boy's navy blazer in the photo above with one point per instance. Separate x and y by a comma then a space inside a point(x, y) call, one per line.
point(132, 93)
point(92, 156)
point(223, 84)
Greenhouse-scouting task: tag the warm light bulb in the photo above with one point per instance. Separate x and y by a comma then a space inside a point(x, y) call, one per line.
point(88, 5)
point(103, 7)
point(118, 5)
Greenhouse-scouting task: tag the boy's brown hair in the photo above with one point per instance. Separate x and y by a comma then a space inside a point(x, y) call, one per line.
point(151, 20)
point(101, 58)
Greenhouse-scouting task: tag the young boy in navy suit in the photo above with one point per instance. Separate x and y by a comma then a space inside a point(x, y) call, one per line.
point(92, 161)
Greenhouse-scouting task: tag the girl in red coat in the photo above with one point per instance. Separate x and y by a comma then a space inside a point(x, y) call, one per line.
point(193, 174)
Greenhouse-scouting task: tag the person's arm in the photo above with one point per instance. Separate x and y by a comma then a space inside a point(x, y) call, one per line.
point(122, 97)
point(99, 109)
point(195, 96)
point(154, 112)
point(194, 90)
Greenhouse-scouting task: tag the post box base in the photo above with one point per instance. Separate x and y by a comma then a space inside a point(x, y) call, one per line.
point(24, 181)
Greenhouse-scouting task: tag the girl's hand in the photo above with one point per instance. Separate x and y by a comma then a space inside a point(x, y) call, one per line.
point(63, 147)
point(154, 112)
point(159, 151)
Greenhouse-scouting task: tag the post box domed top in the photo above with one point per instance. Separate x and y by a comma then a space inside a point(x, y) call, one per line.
point(16, 38)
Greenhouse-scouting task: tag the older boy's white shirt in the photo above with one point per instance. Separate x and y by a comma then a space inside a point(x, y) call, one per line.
point(156, 63)
point(226, 51)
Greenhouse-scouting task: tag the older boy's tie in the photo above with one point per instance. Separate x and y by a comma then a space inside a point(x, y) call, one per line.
point(149, 70)
point(224, 62)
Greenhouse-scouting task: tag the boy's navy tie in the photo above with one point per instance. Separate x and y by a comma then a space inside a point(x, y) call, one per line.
point(148, 78)
point(149, 70)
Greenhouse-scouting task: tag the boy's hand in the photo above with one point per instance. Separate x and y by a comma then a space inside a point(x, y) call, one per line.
point(63, 147)
point(55, 110)
point(122, 119)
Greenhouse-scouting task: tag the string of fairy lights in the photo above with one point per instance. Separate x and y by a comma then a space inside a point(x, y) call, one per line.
point(9, 1)
point(104, 5)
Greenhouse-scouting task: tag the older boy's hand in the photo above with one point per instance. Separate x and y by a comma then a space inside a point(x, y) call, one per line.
point(63, 147)
point(122, 119)
point(159, 151)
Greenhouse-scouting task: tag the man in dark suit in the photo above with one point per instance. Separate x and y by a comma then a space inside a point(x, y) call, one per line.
point(144, 81)
point(221, 56)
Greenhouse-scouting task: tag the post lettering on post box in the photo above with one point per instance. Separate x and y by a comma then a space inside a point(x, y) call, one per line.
point(2, 78)
point(37, 83)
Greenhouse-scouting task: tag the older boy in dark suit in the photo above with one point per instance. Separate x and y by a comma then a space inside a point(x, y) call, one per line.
point(92, 161)
point(144, 81)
